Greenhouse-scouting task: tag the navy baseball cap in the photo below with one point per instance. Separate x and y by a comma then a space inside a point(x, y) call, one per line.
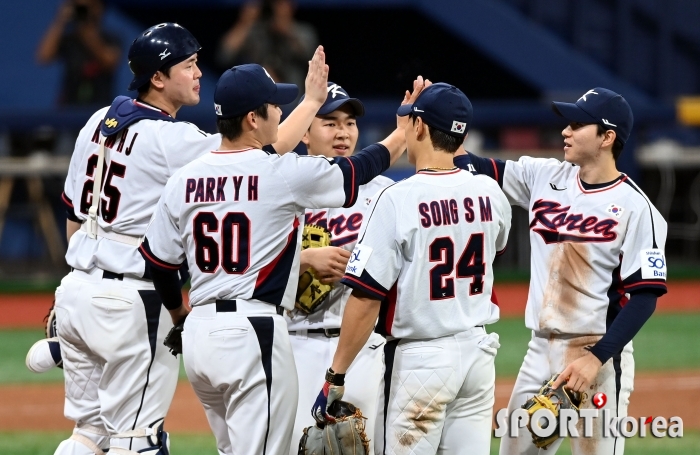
point(244, 88)
point(442, 106)
point(600, 106)
point(337, 97)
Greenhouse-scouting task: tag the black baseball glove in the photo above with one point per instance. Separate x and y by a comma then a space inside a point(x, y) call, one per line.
point(173, 340)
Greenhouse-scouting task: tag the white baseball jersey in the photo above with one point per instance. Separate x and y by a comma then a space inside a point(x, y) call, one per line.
point(344, 224)
point(235, 217)
point(591, 244)
point(138, 162)
point(428, 246)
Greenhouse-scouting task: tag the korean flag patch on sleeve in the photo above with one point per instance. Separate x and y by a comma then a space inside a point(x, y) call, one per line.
point(358, 259)
point(653, 264)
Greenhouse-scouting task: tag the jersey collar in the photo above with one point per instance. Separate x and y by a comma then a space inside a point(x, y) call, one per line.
point(589, 188)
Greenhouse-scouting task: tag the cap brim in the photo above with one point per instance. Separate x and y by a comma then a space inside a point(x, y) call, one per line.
point(285, 94)
point(356, 105)
point(138, 81)
point(404, 110)
point(572, 112)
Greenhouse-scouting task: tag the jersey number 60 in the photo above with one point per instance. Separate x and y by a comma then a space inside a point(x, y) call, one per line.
point(234, 254)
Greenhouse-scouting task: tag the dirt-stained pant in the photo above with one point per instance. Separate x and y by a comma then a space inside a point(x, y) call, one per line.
point(438, 395)
point(547, 355)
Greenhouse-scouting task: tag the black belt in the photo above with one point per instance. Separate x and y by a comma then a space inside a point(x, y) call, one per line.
point(229, 306)
point(107, 275)
point(329, 333)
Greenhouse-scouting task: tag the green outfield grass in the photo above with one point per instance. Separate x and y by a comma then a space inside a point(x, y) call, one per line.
point(35, 443)
point(667, 342)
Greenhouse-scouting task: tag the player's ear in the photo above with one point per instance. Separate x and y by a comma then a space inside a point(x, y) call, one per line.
point(608, 139)
point(305, 139)
point(157, 80)
point(421, 129)
point(252, 120)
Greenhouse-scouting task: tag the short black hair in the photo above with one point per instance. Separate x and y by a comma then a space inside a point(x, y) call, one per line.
point(231, 128)
point(618, 145)
point(440, 139)
point(143, 90)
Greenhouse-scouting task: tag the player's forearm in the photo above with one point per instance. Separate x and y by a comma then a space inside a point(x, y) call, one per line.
point(625, 326)
point(358, 322)
point(295, 125)
point(395, 143)
point(167, 284)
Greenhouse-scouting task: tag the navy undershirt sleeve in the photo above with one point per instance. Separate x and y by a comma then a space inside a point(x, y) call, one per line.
point(361, 168)
point(167, 284)
point(625, 326)
point(486, 166)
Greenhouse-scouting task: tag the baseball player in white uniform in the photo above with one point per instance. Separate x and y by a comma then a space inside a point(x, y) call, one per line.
point(423, 265)
point(597, 263)
point(234, 216)
point(314, 337)
point(119, 378)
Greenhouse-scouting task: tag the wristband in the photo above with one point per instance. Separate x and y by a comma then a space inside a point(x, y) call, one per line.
point(334, 378)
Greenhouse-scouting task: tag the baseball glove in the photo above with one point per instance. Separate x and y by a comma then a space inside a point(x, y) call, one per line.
point(344, 437)
point(173, 340)
point(310, 291)
point(554, 400)
point(50, 329)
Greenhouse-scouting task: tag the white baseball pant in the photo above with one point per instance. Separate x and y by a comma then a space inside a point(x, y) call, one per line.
point(438, 395)
point(547, 355)
point(241, 367)
point(313, 354)
point(118, 375)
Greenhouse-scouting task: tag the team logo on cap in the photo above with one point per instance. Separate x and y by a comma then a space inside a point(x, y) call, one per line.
point(615, 210)
point(164, 54)
point(590, 92)
point(458, 127)
point(217, 109)
point(335, 89)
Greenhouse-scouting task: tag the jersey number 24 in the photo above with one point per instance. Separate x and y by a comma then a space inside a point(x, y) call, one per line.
point(470, 265)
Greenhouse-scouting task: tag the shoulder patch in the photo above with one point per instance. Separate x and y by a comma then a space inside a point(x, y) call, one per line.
point(653, 264)
point(358, 259)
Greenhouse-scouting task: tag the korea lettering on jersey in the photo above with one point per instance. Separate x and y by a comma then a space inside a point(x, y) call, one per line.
point(590, 247)
point(235, 217)
point(139, 159)
point(431, 258)
point(344, 225)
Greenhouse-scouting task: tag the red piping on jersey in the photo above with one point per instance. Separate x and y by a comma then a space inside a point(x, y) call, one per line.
point(352, 195)
point(66, 200)
point(657, 283)
point(498, 253)
point(222, 152)
point(438, 173)
point(153, 108)
point(391, 309)
point(495, 169)
point(157, 261)
point(383, 294)
point(578, 180)
point(265, 271)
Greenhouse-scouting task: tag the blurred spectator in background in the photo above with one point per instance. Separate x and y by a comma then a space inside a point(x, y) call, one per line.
point(267, 34)
point(90, 55)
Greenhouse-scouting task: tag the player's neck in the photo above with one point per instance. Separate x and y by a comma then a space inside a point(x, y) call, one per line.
point(240, 143)
point(156, 99)
point(435, 159)
point(602, 171)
